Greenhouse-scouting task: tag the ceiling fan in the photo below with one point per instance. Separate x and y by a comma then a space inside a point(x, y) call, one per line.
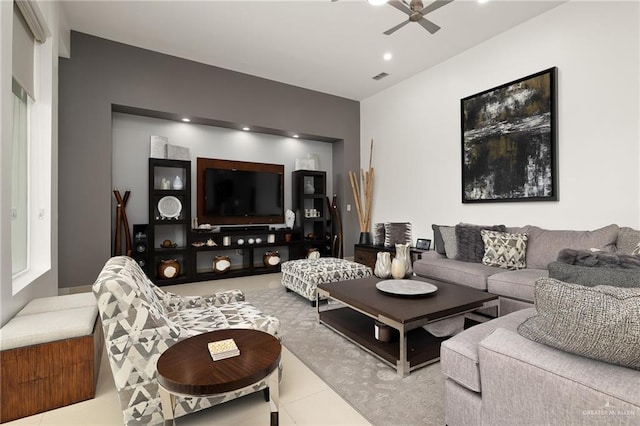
point(416, 11)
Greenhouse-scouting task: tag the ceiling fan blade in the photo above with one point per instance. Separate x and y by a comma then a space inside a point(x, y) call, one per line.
point(396, 28)
point(428, 25)
point(434, 6)
point(400, 6)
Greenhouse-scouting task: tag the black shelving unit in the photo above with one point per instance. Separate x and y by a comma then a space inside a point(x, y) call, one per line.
point(309, 192)
point(169, 218)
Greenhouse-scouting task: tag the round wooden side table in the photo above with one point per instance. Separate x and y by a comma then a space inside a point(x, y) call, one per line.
point(187, 369)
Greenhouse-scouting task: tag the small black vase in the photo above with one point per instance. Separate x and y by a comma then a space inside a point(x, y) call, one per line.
point(365, 238)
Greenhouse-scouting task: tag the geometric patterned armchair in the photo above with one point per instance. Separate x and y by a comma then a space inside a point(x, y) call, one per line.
point(140, 321)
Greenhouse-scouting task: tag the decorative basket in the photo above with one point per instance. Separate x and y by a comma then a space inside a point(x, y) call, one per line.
point(169, 268)
point(271, 259)
point(221, 264)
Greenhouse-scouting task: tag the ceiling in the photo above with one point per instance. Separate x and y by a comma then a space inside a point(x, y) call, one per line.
point(331, 47)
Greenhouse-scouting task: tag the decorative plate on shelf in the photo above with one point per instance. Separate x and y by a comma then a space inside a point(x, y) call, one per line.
point(406, 288)
point(169, 207)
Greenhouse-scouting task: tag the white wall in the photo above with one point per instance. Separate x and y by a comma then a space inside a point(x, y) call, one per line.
point(416, 124)
point(131, 152)
point(46, 284)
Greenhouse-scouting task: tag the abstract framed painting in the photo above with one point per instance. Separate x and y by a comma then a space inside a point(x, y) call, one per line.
point(509, 139)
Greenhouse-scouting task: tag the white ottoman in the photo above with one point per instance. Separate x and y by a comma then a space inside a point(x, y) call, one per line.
point(304, 275)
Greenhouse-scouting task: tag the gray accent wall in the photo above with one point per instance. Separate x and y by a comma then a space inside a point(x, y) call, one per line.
point(102, 73)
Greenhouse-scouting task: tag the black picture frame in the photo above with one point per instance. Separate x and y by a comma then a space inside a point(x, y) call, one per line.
point(509, 141)
point(423, 244)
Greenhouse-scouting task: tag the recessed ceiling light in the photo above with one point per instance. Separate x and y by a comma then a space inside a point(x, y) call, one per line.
point(377, 2)
point(246, 129)
point(387, 56)
point(186, 120)
point(482, 1)
point(296, 136)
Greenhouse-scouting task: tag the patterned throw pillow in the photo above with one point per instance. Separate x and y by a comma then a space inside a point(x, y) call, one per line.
point(601, 322)
point(504, 250)
point(378, 234)
point(397, 233)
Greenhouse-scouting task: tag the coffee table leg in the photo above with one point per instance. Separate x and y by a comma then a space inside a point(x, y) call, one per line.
point(168, 401)
point(403, 363)
point(274, 396)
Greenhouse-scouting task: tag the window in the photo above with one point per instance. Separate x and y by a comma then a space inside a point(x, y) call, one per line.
point(19, 181)
point(31, 149)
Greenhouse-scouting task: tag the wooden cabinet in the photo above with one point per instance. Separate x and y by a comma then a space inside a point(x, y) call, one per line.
point(367, 254)
point(309, 193)
point(169, 221)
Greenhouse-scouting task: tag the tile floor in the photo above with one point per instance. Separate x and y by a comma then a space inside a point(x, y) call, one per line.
point(304, 398)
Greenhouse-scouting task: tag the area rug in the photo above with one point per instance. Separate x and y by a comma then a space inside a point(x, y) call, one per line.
point(370, 386)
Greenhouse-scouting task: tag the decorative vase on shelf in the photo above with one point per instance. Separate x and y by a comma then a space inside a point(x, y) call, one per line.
point(177, 184)
point(365, 238)
point(309, 188)
point(404, 254)
point(383, 265)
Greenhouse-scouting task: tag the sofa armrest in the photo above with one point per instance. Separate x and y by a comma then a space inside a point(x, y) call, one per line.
point(175, 302)
point(524, 382)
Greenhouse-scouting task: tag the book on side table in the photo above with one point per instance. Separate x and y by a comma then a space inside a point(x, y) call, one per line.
point(222, 349)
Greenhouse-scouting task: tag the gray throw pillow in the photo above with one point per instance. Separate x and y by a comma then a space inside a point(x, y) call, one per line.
point(601, 322)
point(628, 240)
point(598, 259)
point(469, 239)
point(592, 276)
point(449, 239)
point(437, 240)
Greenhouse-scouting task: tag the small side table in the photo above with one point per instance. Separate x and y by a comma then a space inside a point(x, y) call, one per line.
point(186, 369)
point(367, 253)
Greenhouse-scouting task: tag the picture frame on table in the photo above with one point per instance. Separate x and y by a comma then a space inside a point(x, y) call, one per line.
point(509, 141)
point(423, 244)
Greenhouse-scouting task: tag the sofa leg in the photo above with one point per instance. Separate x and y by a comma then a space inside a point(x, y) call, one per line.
point(288, 290)
point(265, 393)
point(313, 303)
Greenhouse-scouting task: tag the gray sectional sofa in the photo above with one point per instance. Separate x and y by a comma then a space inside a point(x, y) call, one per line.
point(515, 287)
point(574, 358)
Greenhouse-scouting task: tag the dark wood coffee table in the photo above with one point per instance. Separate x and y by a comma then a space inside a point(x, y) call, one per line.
point(361, 304)
point(187, 369)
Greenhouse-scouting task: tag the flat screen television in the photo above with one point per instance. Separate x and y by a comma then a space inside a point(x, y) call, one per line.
point(239, 192)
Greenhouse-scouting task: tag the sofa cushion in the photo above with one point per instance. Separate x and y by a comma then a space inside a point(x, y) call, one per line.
point(437, 239)
point(590, 276)
point(544, 244)
point(504, 250)
point(628, 240)
point(469, 239)
point(515, 284)
point(433, 265)
point(459, 354)
point(601, 322)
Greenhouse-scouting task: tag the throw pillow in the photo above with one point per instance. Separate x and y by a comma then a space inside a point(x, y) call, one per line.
point(437, 240)
point(593, 276)
point(601, 322)
point(504, 250)
point(469, 240)
point(378, 234)
point(628, 240)
point(397, 233)
point(449, 239)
